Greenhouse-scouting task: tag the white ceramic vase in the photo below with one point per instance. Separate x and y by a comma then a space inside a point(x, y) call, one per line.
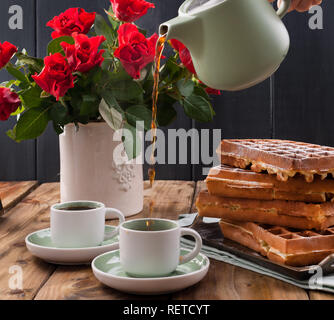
point(88, 170)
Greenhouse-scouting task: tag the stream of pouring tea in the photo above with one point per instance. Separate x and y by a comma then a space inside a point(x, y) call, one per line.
point(156, 76)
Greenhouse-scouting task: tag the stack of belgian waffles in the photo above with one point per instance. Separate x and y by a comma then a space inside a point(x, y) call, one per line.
point(275, 197)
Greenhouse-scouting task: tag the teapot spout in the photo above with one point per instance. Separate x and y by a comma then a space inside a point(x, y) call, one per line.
point(181, 28)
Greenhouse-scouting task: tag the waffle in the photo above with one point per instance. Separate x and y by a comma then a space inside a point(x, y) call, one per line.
point(293, 214)
point(240, 183)
point(280, 157)
point(283, 245)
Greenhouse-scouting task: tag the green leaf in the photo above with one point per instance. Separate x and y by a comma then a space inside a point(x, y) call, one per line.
point(55, 47)
point(186, 87)
point(12, 133)
point(126, 90)
point(112, 102)
point(131, 141)
point(139, 113)
point(59, 115)
point(120, 75)
point(83, 119)
point(175, 94)
point(35, 64)
point(199, 91)
point(166, 115)
point(19, 76)
point(31, 97)
point(18, 111)
point(95, 74)
point(103, 29)
point(109, 112)
point(170, 70)
point(45, 94)
point(89, 105)
point(10, 83)
point(32, 124)
point(198, 108)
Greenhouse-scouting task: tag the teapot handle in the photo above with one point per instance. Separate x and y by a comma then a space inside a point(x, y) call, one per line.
point(284, 8)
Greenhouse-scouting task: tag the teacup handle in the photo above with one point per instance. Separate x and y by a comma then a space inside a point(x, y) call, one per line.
point(284, 8)
point(120, 216)
point(198, 245)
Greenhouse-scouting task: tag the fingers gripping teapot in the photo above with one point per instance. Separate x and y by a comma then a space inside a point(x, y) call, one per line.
point(234, 44)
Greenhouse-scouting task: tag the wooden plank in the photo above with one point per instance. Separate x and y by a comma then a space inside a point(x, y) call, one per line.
point(303, 84)
point(318, 295)
point(171, 199)
point(13, 192)
point(228, 282)
point(18, 160)
point(31, 214)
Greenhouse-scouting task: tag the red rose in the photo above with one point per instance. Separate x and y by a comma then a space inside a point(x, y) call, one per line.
point(213, 91)
point(56, 77)
point(130, 10)
point(7, 51)
point(72, 20)
point(134, 51)
point(84, 54)
point(186, 60)
point(9, 102)
point(184, 54)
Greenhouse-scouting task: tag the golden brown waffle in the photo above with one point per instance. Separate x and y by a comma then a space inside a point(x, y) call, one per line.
point(280, 157)
point(283, 245)
point(293, 214)
point(240, 183)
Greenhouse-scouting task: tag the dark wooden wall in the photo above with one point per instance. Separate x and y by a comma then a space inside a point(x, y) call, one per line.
point(296, 103)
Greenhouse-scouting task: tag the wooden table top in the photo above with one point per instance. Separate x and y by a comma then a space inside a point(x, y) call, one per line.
point(27, 209)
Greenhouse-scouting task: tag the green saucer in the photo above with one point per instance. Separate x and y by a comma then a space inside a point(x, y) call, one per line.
point(43, 238)
point(39, 243)
point(110, 263)
point(107, 268)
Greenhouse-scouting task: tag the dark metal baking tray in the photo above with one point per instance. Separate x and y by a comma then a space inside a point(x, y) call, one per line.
point(213, 237)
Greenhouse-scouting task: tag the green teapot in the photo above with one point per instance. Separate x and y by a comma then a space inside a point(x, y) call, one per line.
point(234, 44)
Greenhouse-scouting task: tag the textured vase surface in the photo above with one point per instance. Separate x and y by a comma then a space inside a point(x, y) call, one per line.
point(90, 171)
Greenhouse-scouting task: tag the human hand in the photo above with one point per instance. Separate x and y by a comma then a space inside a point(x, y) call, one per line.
point(300, 5)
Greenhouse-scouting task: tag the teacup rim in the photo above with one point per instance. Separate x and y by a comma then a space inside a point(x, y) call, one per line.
point(177, 226)
point(53, 207)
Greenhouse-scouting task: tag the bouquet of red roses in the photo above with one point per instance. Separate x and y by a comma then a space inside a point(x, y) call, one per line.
point(98, 70)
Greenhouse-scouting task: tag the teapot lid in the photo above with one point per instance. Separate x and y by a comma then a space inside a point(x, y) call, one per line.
point(196, 6)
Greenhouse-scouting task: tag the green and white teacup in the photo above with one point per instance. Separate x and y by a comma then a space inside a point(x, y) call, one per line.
point(78, 224)
point(151, 247)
